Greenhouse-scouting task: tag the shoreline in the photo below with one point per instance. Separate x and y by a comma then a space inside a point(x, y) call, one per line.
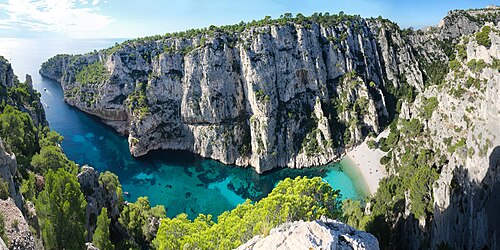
point(363, 166)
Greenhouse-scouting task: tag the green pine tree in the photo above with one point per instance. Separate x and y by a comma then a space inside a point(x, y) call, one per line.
point(101, 234)
point(61, 211)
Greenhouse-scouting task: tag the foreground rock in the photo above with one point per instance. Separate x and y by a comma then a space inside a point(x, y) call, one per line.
point(320, 234)
point(16, 228)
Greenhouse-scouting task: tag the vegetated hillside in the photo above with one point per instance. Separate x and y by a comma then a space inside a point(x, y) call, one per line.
point(444, 157)
point(21, 116)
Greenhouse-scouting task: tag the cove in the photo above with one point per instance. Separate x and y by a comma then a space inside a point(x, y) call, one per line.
point(181, 181)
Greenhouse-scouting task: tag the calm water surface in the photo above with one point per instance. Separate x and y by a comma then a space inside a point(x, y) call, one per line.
point(182, 182)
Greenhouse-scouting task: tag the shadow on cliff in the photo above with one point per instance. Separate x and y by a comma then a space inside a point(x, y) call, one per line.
point(471, 221)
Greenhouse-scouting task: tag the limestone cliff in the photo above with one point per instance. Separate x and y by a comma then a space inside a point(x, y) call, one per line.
point(8, 94)
point(459, 138)
point(292, 92)
point(467, 125)
point(319, 234)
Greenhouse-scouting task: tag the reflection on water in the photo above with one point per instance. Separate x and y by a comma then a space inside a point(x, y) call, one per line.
point(182, 182)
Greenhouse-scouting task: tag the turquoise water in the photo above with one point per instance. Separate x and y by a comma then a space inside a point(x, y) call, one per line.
point(182, 182)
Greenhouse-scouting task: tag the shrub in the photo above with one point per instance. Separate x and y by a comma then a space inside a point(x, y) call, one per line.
point(135, 218)
point(459, 144)
point(2, 228)
point(483, 37)
point(19, 134)
point(429, 107)
point(476, 65)
point(4, 189)
point(384, 160)
point(371, 144)
point(462, 51)
point(454, 65)
point(411, 128)
point(92, 73)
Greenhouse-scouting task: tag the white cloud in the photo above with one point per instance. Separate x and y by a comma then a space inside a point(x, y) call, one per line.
point(64, 16)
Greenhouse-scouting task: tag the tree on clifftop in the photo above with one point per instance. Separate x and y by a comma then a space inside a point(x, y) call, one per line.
point(61, 211)
point(101, 234)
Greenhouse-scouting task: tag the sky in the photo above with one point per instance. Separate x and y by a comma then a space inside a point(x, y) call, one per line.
point(137, 18)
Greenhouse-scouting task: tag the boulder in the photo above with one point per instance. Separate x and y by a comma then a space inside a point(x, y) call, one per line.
point(320, 234)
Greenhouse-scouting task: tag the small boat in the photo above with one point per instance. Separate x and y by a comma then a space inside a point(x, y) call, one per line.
point(44, 89)
point(126, 193)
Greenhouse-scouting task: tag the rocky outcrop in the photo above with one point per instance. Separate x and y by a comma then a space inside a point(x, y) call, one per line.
point(8, 169)
point(31, 105)
point(7, 76)
point(465, 22)
point(3, 246)
point(90, 246)
point(319, 234)
point(16, 228)
point(97, 196)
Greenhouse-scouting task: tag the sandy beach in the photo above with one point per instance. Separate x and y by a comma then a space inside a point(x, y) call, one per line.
point(367, 162)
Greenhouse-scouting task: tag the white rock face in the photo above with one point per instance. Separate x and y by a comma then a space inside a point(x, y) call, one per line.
point(320, 234)
point(8, 169)
point(267, 96)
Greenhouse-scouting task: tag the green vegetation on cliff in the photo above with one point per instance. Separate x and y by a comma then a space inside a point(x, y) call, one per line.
point(101, 235)
point(325, 19)
point(19, 133)
point(136, 218)
point(417, 168)
point(61, 211)
point(94, 73)
point(138, 101)
point(483, 37)
point(291, 200)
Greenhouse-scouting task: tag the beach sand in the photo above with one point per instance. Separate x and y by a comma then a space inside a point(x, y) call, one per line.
point(367, 162)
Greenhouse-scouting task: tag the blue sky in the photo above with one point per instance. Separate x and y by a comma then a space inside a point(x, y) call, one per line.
point(135, 18)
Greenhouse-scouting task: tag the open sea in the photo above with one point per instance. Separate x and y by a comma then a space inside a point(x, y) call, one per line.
point(181, 181)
